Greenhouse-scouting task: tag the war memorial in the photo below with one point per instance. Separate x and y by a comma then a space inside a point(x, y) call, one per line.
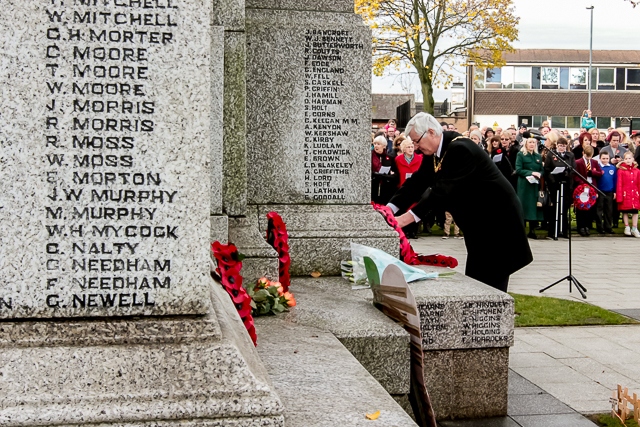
point(137, 132)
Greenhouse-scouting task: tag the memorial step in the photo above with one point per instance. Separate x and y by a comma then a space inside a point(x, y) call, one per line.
point(319, 382)
point(377, 342)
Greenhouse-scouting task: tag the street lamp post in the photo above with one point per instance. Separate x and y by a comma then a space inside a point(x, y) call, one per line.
point(590, 56)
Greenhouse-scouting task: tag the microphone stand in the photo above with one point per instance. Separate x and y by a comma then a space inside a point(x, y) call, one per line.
point(570, 277)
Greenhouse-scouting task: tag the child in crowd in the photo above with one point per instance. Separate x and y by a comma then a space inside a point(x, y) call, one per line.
point(628, 193)
point(590, 169)
point(606, 184)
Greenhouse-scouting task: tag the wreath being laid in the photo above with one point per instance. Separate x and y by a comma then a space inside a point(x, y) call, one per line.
point(584, 197)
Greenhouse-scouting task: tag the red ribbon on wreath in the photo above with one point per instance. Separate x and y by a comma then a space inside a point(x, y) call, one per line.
point(228, 273)
point(407, 254)
point(278, 238)
point(584, 197)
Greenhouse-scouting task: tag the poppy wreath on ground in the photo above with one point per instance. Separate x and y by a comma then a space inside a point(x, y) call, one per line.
point(278, 238)
point(407, 253)
point(229, 264)
point(584, 197)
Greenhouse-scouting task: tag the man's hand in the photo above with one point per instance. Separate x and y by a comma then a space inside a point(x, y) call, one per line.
point(405, 219)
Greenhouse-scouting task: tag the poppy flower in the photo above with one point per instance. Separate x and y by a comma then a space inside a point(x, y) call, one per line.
point(407, 254)
point(278, 238)
point(229, 266)
point(251, 329)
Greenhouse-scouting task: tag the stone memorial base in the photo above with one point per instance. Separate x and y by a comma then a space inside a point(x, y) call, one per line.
point(186, 371)
point(467, 329)
point(320, 235)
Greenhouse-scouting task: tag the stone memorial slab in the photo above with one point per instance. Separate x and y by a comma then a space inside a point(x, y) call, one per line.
point(308, 129)
point(460, 313)
point(105, 153)
point(318, 115)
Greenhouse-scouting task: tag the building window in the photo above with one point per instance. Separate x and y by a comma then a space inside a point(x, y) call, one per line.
point(578, 79)
point(633, 79)
point(558, 122)
point(550, 78)
point(522, 79)
point(603, 123)
point(537, 121)
point(479, 77)
point(574, 122)
point(606, 79)
point(535, 77)
point(494, 78)
point(564, 78)
point(623, 122)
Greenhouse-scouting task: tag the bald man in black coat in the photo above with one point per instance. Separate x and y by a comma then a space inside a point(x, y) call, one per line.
point(457, 175)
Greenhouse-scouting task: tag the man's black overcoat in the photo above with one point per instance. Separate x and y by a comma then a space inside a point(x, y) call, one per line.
point(482, 202)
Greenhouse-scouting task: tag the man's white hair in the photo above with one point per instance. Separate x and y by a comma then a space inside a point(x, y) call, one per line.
point(421, 123)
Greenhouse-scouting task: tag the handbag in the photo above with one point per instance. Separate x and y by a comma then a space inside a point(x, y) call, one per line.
point(543, 198)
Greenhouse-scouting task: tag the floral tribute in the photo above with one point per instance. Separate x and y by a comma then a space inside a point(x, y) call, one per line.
point(270, 297)
point(584, 197)
point(407, 253)
point(228, 273)
point(278, 238)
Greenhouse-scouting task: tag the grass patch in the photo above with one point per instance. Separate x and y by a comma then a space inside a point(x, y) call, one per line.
point(606, 420)
point(547, 311)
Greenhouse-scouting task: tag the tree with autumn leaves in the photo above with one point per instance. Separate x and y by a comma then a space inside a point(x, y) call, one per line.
point(433, 36)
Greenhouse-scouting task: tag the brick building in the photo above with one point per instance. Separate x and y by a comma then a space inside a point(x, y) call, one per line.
point(551, 84)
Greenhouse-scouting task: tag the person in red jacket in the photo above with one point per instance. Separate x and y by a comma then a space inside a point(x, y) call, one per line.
point(628, 193)
point(407, 162)
point(591, 170)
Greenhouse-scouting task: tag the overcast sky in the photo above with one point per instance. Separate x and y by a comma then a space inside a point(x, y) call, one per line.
point(554, 24)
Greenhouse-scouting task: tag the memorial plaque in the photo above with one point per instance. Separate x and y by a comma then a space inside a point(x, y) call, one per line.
point(466, 323)
point(105, 156)
point(314, 123)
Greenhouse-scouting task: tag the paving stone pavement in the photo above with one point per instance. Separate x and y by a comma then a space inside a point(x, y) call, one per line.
point(579, 366)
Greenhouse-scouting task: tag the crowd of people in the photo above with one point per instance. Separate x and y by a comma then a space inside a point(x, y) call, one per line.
point(543, 165)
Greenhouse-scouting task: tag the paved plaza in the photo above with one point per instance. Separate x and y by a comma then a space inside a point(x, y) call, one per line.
point(580, 366)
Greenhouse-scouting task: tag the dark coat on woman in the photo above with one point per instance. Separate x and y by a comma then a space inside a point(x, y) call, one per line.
point(628, 187)
point(383, 185)
point(483, 203)
point(552, 162)
point(503, 164)
point(526, 164)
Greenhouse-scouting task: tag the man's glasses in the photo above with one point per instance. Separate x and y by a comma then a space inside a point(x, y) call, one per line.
point(418, 141)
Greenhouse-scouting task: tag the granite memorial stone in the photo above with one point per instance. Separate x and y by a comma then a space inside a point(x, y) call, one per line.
point(111, 188)
point(105, 149)
point(308, 128)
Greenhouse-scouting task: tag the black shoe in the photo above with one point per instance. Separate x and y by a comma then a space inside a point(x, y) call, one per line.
point(587, 232)
point(582, 232)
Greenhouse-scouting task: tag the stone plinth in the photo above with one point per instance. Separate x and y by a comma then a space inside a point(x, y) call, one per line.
point(184, 371)
point(309, 134)
point(467, 330)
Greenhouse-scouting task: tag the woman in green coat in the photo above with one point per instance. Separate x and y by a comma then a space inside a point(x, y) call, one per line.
point(529, 164)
